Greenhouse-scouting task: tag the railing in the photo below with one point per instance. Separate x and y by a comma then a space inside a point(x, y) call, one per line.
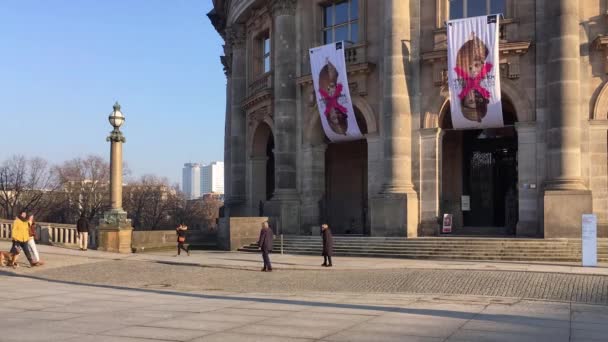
point(51, 233)
point(354, 54)
point(263, 82)
point(508, 31)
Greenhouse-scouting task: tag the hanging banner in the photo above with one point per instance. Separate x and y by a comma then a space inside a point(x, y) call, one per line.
point(328, 68)
point(474, 76)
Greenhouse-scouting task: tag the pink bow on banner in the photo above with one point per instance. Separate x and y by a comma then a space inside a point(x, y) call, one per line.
point(331, 101)
point(474, 83)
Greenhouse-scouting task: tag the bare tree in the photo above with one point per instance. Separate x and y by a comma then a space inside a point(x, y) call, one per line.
point(86, 182)
point(26, 184)
point(150, 202)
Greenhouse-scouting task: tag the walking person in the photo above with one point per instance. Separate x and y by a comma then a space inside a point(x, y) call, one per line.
point(181, 239)
point(20, 234)
point(328, 245)
point(32, 240)
point(83, 232)
point(265, 242)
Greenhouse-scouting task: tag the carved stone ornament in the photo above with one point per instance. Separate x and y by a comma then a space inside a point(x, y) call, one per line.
point(116, 136)
point(236, 35)
point(283, 7)
point(259, 115)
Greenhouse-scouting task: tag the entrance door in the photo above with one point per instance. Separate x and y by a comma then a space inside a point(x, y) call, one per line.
point(490, 178)
point(346, 187)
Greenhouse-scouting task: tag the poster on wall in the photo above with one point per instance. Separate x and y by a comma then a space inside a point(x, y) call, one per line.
point(328, 68)
point(474, 75)
point(446, 227)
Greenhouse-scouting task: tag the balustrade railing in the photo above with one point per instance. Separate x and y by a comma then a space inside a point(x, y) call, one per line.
point(51, 233)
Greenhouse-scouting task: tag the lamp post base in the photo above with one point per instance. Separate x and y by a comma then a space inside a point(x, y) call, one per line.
point(115, 232)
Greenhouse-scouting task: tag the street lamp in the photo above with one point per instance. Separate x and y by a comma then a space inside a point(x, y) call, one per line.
point(115, 228)
point(116, 118)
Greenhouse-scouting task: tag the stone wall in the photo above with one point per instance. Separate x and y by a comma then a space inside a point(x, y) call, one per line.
point(236, 232)
point(142, 241)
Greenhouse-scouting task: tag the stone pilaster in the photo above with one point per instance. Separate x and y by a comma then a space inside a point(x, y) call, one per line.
point(286, 201)
point(429, 181)
point(528, 186)
point(598, 172)
point(257, 187)
point(395, 210)
point(565, 197)
point(313, 186)
point(236, 201)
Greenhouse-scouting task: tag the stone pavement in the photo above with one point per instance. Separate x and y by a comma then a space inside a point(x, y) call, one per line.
point(37, 310)
point(97, 296)
point(252, 261)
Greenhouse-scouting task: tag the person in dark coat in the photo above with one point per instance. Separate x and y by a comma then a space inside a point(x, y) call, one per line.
point(265, 242)
point(328, 245)
point(181, 239)
point(83, 232)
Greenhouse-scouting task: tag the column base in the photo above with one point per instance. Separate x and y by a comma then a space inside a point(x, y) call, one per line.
point(115, 232)
point(394, 215)
point(563, 210)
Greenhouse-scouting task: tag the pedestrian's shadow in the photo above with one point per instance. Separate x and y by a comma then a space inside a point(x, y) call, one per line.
point(364, 307)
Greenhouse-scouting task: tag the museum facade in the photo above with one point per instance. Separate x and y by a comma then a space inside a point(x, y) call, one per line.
point(533, 178)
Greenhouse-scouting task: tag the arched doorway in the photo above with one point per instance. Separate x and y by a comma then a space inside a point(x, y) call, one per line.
point(262, 167)
point(345, 204)
point(480, 177)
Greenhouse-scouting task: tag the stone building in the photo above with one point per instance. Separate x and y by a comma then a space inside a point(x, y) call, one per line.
point(535, 177)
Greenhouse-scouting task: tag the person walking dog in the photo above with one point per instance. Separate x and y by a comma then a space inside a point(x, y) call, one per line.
point(83, 232)
point(20, 234)
point(265, 242)
point(328, 245)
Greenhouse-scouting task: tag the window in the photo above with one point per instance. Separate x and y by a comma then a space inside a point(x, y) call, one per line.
point(472, 8)
point(262, 52)
point(341, 21)
point(266, 54)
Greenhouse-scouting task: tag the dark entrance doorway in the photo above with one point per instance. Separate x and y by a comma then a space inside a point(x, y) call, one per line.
point(490, 177)
point(344, 205)
point(479, 176)
point(346, 187)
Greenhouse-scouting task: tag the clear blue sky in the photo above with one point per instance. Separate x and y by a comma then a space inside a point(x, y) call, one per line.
point(63, 63)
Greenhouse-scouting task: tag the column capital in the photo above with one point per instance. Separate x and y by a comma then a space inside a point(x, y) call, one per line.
point(236, 36)
point(116, 136)
point(282, 7)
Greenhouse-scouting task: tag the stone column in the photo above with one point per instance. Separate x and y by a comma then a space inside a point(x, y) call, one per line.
point(236, 201)
point(285, 198)
point(115, 228)
point(395, 210)
point(116, 173)
point(257, 188)
point(528, 188)
point(565, 198)
point(429, 181)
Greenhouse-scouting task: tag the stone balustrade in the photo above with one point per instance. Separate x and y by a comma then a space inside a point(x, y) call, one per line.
point(51, 233)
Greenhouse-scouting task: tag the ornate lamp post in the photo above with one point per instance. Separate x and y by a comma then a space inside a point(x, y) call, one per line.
point(114, 228)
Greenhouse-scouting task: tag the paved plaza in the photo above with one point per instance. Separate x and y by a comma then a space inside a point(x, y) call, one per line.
point(220, 296)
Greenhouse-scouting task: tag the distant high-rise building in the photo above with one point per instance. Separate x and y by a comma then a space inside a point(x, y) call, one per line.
point(212, 178)
point(191, 180)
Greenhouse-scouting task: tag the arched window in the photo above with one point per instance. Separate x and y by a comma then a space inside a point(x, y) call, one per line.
point(472, 8)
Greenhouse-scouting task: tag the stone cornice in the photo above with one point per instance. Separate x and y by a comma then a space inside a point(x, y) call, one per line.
point(257, 98)
point(236, 36)
point(351, 69)
point(282, 7)
point(507, 48)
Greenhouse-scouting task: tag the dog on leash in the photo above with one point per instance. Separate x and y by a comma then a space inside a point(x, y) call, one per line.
point(7, 259)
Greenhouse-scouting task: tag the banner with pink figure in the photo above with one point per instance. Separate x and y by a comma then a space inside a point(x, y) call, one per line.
point(473, 72)
point(328, 68)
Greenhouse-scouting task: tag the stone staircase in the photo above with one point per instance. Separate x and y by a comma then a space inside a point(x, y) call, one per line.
point(456, 248)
